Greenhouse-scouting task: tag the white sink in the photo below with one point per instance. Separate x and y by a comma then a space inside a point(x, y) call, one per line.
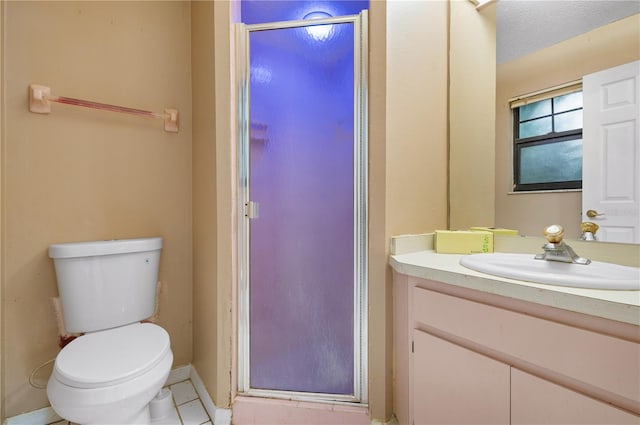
point(597, 275)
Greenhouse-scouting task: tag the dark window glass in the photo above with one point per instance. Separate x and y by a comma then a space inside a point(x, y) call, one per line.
point(548, 144)
point(567, 102)
point(539, 163)
point(535, 110)
point(536, 127)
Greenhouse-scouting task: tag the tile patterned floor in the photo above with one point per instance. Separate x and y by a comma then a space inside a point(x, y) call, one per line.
point(188, 409)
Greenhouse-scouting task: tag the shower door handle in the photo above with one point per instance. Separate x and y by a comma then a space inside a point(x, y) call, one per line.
point(251, 210)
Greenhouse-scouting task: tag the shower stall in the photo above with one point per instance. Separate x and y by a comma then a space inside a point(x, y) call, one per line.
point(302, 208)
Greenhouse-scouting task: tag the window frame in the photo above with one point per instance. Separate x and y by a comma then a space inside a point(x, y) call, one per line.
point(548, 138)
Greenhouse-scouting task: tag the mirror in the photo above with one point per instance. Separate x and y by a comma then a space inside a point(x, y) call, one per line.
point(540, 45)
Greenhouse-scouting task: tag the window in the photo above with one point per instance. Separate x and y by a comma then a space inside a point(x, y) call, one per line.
point(547, 136)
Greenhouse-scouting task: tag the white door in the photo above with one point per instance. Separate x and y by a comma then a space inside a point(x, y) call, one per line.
point(611, 152)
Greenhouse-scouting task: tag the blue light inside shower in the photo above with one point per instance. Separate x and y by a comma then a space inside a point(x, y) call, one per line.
point(261, 11)
point(319, 32)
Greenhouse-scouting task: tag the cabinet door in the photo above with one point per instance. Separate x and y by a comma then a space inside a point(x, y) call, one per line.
point(536, 401)
point(454, 385)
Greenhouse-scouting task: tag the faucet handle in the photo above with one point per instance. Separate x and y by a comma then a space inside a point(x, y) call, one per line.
point(593, 213)
point(589, 226)
point(554, 233)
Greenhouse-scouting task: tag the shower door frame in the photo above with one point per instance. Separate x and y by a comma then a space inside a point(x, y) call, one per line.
point(360, 205)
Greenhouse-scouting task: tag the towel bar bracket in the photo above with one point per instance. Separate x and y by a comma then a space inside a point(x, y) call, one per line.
point(38, 102)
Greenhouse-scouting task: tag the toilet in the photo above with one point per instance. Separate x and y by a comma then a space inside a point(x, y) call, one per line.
point(111, 373)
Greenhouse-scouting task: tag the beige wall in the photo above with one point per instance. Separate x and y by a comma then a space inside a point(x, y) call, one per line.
point(602, 48)
point(80, 174)
point(380, 313)
point(214, 196)
point(205, 307)
point(225, 14)
point(417, 127)
point(415, 193)
point(472, 92)
point(2, 5)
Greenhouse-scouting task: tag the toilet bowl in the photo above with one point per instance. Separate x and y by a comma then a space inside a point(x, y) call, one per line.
point(111, 373)
point(110, 377)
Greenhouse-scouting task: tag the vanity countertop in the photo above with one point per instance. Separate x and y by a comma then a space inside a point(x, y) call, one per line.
point(622, 306)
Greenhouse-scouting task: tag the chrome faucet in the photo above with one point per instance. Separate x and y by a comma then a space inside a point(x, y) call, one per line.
point(556, 250)
point(589, 230)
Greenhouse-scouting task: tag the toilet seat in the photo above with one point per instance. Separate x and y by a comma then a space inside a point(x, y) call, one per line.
point(113, 356)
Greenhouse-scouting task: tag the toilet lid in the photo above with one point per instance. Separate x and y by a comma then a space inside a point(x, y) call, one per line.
point(112, 356)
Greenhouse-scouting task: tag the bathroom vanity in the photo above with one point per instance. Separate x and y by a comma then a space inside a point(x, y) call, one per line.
point(472, 348)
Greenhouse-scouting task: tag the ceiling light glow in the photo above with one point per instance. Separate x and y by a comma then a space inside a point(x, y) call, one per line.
point(319, 32)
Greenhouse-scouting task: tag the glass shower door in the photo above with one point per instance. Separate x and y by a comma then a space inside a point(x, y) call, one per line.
point(303, 212)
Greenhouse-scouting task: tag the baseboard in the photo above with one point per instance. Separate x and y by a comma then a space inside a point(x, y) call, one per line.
point(179, 374)
point(392, 421)
point(218, 415)
point(42, 416)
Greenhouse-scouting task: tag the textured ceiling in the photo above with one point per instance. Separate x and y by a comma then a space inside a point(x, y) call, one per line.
point(524, 26)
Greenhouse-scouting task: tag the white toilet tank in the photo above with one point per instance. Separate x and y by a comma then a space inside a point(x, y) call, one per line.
point(106, 284)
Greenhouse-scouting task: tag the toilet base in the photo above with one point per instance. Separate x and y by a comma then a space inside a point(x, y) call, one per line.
point(161, 407)
point(144, 418)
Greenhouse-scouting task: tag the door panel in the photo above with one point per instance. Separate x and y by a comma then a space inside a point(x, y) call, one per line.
point(454, 385)
point(611, 152)
point(301, 246)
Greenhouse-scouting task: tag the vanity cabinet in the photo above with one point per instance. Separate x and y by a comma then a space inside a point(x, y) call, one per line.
point(466, 356)
point(445, 374)
point(536, 401)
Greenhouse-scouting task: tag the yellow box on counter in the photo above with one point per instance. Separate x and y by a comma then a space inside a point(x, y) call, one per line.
point(463, 241)
point(495, 231)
